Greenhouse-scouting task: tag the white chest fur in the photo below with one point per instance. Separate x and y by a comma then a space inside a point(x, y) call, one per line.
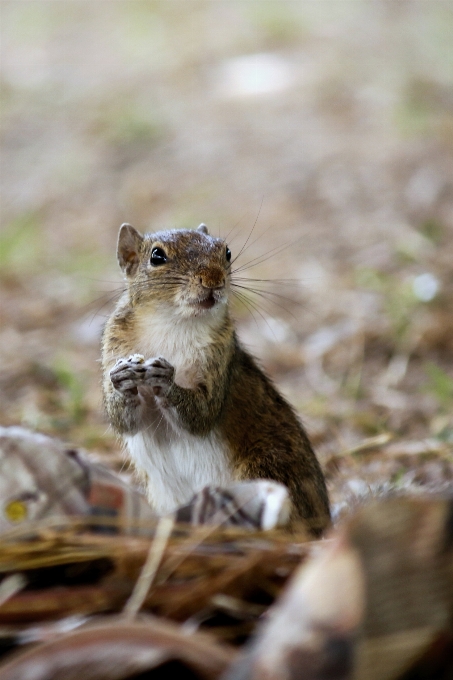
point(179, 466)
point(176, 463)
point(181, 341)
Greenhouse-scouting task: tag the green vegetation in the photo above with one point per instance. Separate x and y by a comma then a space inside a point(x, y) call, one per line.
point(21, 244)
point(440, 385)
point(399, 302)
point(73, 392)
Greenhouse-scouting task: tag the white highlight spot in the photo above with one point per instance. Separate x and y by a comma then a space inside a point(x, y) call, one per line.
point(254, 74)
point(425, 287)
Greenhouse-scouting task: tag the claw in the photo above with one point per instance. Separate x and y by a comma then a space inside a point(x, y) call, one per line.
point(137, 359)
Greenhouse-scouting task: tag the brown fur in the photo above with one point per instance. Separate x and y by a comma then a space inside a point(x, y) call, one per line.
point(224, 391)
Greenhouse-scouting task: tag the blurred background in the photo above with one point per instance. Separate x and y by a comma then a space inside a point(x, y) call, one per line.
point(324, 127)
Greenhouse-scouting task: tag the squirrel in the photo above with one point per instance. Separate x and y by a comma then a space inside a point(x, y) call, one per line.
point(191, 404)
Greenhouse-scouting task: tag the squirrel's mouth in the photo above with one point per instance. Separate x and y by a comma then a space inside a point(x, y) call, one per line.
point(207, 302)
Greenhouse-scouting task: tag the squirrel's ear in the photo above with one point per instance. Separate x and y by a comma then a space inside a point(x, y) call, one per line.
point(128, 250)
point(203, 228)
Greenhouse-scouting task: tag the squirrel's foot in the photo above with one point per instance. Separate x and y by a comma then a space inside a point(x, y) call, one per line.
point(159, 374)
point(128, 374)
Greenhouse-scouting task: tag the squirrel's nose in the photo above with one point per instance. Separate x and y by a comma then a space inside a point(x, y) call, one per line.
point(212, 279)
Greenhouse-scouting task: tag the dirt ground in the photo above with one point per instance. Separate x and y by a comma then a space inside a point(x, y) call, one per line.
point(319, 133)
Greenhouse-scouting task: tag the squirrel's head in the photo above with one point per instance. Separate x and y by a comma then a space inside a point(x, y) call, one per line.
point(187, 270)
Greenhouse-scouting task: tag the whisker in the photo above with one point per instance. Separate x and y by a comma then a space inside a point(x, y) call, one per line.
point(90, 278)
point(265, 291)
point(257, 239)
point(111, 295)
point(235, 226)
point(251, 232)
point(150, 283)
point(261, 290)
point(282, 282)
point(263, 295)
point(265, 256)
point(256, 308)
point(140, 288)
point(145, 285)
point(115, 296)
point(244, 301)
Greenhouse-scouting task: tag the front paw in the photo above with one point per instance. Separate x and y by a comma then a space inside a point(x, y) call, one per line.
point(128, 374)
point(159, 374)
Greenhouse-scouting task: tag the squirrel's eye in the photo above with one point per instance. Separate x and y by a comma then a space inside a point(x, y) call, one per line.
point(158, 257)
point(228, 254)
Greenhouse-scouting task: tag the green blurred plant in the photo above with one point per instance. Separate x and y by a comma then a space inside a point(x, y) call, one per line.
point(433, 230)
point(123, 123)
point(425, 106)
point(440, 385)
point(398, 478)
point(73, 389)
point(400, 304)
point(279, 24)
point(20, 244)
point(398, 301)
